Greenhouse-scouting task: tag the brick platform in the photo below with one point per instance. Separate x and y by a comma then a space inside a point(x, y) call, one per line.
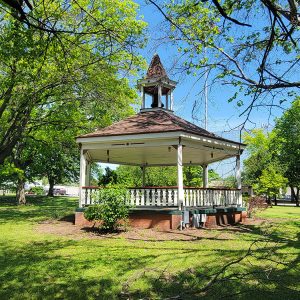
point(225, 218)
point(170, 219)
point(142, 219)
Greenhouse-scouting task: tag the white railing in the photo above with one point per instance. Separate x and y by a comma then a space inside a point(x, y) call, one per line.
point(154, 196)
point(212, 197)
point(167, 196)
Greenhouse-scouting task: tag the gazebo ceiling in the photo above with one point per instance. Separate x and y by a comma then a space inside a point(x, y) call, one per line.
point(156, 156)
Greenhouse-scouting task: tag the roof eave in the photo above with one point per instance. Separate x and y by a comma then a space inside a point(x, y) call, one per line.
point(181, 133)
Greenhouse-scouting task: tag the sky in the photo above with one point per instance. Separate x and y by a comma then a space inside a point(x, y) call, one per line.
point(222, 116)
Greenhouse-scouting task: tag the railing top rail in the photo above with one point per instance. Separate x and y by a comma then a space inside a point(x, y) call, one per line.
point(167, 187)
point(185, 187)
point(93, 187)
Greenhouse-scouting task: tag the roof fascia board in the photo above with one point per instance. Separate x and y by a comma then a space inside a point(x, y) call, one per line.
point(210, 148)
point(212, 140)
point(129, 137)
point(145, 144)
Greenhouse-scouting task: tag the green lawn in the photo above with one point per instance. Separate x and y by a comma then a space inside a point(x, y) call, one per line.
point(37, 265)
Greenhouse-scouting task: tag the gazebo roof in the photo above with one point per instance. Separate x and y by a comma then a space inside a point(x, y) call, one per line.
point(152, 121)
point(153, 136)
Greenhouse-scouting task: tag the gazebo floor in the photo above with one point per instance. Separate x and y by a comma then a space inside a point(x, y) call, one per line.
point(166, 218)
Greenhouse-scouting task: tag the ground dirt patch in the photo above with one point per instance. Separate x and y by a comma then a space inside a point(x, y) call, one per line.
point(68, 229)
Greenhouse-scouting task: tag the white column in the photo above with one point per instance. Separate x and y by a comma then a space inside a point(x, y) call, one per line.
point(143, 97)
point(144, 176)
point(159, 96)
point(180, 191)
point(88, 174)
point(172, 99)
point(82, 179)
point(167, 100)
point(238, 172)
point(205, 176)
point(238, 177)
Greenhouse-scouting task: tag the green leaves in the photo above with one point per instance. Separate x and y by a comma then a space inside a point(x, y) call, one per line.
point(288, 142)
point(70, 73)
point(274, 156)
point(111, 207)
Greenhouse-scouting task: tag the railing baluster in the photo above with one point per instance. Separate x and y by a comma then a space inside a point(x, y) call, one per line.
point(167, 197)
point(174, 198)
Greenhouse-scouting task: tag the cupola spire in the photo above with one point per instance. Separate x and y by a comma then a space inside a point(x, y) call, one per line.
point(158, 86)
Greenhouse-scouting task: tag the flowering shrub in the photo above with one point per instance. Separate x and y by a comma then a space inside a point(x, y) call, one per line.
point(111, 206)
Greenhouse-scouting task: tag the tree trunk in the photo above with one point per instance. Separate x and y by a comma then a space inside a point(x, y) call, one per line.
point(269, 200)
point(51, 187)
point(20, 196)
point(293, 195)
point(275, 200)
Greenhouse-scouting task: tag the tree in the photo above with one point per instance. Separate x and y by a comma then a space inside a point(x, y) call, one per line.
point(129, 176)
point(270, 182)
point(96, 174)
point(46, 69)
point(162, 176)
point(287, 131)
point(58, 161)
point(252, 46)
point(108, 178)
point(260, 154)
point(263, 169)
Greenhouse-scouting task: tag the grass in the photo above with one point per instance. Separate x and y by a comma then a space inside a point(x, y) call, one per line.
point(36, 265)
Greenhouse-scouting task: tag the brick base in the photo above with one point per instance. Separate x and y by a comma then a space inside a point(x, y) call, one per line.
point(166, 222)
point(150, 220)
point(160, 221)
point(225, 218)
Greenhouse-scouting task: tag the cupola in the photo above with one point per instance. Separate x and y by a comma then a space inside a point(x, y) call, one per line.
point(158, 86)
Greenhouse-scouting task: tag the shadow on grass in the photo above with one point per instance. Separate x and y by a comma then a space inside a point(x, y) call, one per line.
point(37, 208)
point(52, 270)
point(263, 274)
point(70, 269)
point(62, 269)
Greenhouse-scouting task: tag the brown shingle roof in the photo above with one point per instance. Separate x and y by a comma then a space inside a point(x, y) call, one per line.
point(152, 122)
point(156, 69)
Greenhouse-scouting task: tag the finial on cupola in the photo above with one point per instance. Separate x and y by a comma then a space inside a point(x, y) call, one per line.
point(157, 85)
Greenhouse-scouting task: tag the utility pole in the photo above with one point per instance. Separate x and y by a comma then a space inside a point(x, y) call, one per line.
point(205, 167)
point(205, 95)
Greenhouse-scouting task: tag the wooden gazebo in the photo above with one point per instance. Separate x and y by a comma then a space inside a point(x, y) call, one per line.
point(157, 137)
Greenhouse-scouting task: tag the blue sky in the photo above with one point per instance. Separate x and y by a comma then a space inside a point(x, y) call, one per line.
point(222, 116)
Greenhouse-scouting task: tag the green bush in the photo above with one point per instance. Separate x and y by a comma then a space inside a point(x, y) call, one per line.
point(37, 190)
point(111, 206)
